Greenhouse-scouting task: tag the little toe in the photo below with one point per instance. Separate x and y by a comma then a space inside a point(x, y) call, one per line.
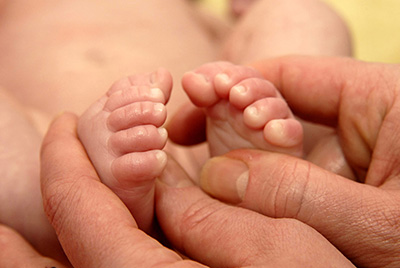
point(138, 139)
point(138, 113)
point(134, 175)
point(138, 168)
point(284, 133)
point(250, 90)
point(258, 114)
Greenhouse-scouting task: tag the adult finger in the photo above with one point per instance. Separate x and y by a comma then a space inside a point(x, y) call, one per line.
point(15, 251)
point(315, 86)
point(93, 225)
point(225, 236)
point(359, 98)
point(360, 220)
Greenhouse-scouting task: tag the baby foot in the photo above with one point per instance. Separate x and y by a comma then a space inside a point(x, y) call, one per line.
point(123, 136)
point(243, 110)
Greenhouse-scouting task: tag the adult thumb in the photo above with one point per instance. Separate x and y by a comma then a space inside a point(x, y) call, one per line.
point(352, 216)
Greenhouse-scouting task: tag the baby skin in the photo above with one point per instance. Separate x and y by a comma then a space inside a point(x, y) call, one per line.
point(123, 134)
point(243, 110)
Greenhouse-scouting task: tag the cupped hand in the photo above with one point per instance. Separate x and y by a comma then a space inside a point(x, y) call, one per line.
point(92, 224)
point(96, 230)
point(361, 100)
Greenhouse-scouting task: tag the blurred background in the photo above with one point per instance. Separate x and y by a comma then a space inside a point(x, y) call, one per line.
point(375, 26)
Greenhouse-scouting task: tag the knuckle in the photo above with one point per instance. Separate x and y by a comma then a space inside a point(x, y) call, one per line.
point(197, 216)
point(291, 189)
point(201, 217)
point(52, 200)
point(59, 198)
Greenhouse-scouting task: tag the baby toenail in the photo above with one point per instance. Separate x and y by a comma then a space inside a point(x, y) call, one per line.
point(156, 93)
point(161, 157)
point(223, 79)
point(277, 127)
point(159, 107)
point(163, 132)
point(252, 111)
point(240, 89)
point(201, 78)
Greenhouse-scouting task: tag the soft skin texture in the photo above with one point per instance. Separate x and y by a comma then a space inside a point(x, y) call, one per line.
point(243, 110)
point(123, 137)
point(361, 101)
point(90, 44)
point(97, 230)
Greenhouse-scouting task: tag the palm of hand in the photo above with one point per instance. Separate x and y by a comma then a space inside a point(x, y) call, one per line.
point(368, 117)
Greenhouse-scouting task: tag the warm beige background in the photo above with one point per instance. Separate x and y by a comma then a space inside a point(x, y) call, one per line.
point(375, 25)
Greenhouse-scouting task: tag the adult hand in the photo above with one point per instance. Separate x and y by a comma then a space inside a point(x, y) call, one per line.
point(97, 230)
point(362, 101)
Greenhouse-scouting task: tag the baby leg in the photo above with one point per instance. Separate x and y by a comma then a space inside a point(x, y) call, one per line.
point(273, 28)
point(243, 110)
point(123, 137)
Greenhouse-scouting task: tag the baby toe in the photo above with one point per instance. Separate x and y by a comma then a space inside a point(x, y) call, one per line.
point(250, 90)
point(134, 169)
point(231, 75)
point(138, 113)
point(138, 139)
point(284, 133)
point(258, 114)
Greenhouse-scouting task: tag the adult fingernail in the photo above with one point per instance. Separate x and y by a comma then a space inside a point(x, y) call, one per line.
point(225, 178)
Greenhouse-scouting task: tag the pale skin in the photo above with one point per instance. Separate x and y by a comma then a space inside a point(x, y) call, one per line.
point(243, 111)
point(362, 232)
point(72, 73)
point(127, 124)
point(103, 52)
point(183, 209)
point(360, 219)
